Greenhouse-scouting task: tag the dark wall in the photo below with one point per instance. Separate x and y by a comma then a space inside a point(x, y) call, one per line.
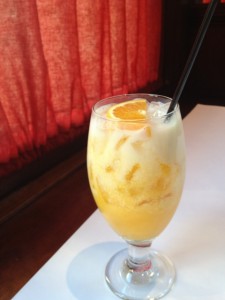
point(207, 78)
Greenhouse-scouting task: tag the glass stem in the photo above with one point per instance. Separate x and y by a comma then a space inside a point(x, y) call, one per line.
point(138, 257)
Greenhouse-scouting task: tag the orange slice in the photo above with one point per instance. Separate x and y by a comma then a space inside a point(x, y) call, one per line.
point(134, 110)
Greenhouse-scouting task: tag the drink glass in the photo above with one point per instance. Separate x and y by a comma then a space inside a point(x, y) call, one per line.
point(136, 172)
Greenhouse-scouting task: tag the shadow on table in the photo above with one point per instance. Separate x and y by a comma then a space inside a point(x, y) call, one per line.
point(85, 275)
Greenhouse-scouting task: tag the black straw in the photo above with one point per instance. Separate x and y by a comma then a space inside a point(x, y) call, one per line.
point(192, 56)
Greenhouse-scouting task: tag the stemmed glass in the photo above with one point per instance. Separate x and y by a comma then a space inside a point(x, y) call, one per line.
point(136, 167)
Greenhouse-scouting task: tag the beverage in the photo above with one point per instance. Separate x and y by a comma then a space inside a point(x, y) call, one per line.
point(136, 163)
point(136, 169)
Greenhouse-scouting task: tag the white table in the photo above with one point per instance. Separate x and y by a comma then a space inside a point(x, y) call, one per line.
point(194, 240)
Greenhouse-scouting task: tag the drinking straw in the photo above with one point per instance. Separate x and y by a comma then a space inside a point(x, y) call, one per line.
point(192, 56)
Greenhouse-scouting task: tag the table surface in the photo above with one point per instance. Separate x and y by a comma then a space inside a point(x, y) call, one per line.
point(194, 239)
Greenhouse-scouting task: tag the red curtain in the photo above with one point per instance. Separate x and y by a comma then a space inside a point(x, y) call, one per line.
point(59, 57)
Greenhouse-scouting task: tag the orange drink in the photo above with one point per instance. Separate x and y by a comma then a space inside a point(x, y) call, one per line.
point(136, 166)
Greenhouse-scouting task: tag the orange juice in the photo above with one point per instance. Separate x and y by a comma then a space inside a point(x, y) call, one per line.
point(136, 172)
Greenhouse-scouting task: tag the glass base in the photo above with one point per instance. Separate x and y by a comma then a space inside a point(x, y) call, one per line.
point(153, 282)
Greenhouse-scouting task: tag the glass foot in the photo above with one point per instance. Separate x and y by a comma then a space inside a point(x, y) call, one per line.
point(152, 282)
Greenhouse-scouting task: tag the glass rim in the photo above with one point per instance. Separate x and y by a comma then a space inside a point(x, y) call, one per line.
point(135, 95)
